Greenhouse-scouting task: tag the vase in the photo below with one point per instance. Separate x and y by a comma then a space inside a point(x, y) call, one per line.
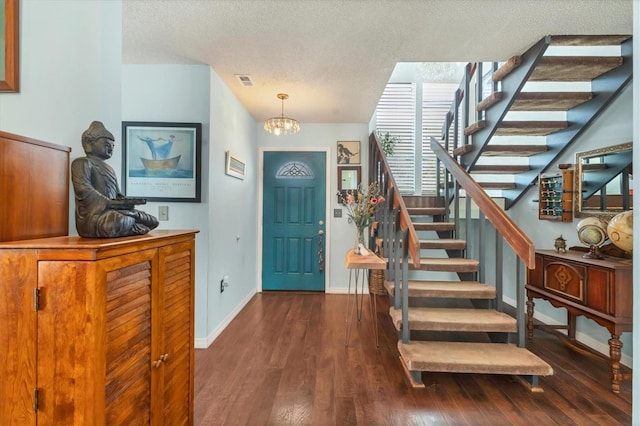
point(359, 240)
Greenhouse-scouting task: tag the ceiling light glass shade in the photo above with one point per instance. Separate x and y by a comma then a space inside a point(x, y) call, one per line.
point(282, 125)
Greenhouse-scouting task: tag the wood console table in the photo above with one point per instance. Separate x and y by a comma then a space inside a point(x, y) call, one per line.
point(599, 289)
point(359, 265)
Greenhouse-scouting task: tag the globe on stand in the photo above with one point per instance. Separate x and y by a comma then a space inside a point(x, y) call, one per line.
point(592, 232)
point(620, 231)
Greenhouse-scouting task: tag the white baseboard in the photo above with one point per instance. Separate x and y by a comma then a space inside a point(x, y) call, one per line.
point(583, 338)
point(337, 290)
point(205, 342)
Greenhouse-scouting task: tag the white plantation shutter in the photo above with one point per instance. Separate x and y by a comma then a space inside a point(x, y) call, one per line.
point(437, 99)
point(396, 114)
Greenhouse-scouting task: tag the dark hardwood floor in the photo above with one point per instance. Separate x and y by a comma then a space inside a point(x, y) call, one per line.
point(282, 361)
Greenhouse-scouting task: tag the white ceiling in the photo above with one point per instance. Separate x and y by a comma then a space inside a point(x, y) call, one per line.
point(334, 57)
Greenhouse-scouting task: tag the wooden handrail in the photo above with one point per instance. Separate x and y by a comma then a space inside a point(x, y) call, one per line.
point(512, 234)
point(405, 220)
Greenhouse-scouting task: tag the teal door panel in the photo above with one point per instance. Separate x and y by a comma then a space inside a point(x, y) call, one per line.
point(294, 194)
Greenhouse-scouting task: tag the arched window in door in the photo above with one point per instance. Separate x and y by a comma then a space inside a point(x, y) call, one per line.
point(295, 169)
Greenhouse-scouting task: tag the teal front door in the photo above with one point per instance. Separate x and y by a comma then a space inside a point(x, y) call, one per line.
point(293, 212)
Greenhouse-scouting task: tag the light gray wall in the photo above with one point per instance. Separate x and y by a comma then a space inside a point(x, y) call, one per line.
point(340, 235)
point(226, 217)
point(614, 126)
point(70, 67)
point(176, 94)
point(232, 214)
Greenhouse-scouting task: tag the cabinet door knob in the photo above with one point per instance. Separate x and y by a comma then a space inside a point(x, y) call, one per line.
point(164, 357)
point(157, 363)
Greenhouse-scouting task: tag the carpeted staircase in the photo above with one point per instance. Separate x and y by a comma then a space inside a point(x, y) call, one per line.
point(453, 322)
point(465, 333)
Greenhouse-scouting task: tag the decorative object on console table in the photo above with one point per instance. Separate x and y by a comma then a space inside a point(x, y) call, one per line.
point(560, 245)
point(592, 232)
point(556, 196)
point(110, 340)
point(361, 205)
point(161, 161)
point(620, 231)
point(599, 289)
point(102, 211)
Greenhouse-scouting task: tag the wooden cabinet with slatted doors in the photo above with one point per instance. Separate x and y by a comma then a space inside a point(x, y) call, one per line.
point(97, 331)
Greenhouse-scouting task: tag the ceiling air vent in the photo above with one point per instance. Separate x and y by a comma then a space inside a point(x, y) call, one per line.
point(245, 80)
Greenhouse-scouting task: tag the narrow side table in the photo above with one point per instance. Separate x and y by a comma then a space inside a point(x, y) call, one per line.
point(359, 265)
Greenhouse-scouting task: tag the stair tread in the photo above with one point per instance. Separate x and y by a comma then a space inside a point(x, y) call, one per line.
point(549, 101)
point(447, 289)
point(447, 264)
point(499, 169)
point(497, 185)
point(513, 150)
point(443, 243)
point(464, 357)
point(511, 64)
point(475, 127)
point(456, 319)
point(573, 68)
point(426, 211)
point(529, 127)
point(434, 226)
point(589, 40)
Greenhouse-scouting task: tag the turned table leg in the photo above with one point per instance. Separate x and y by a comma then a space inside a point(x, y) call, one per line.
point(615, 350)
point(571, 326)
point(530, 306)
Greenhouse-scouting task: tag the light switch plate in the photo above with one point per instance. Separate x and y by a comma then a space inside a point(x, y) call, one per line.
point(163, 213)
point(337, 212)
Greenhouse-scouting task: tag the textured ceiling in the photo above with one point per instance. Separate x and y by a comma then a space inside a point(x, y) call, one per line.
point(334, 57)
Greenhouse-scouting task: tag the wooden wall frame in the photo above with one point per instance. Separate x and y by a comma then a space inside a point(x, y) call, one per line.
point(9, 53)
point(349, 178)
point(161, 161)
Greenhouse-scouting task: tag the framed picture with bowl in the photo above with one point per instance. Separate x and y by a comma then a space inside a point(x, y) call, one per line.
point(161, 161)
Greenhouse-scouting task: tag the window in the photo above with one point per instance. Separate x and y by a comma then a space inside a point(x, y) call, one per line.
point(396, 114)
point(436, 102)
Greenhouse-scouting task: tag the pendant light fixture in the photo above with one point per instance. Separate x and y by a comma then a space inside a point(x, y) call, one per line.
point(282, 125)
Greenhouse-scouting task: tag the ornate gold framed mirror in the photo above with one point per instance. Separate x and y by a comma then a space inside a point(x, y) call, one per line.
point(603, 181)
